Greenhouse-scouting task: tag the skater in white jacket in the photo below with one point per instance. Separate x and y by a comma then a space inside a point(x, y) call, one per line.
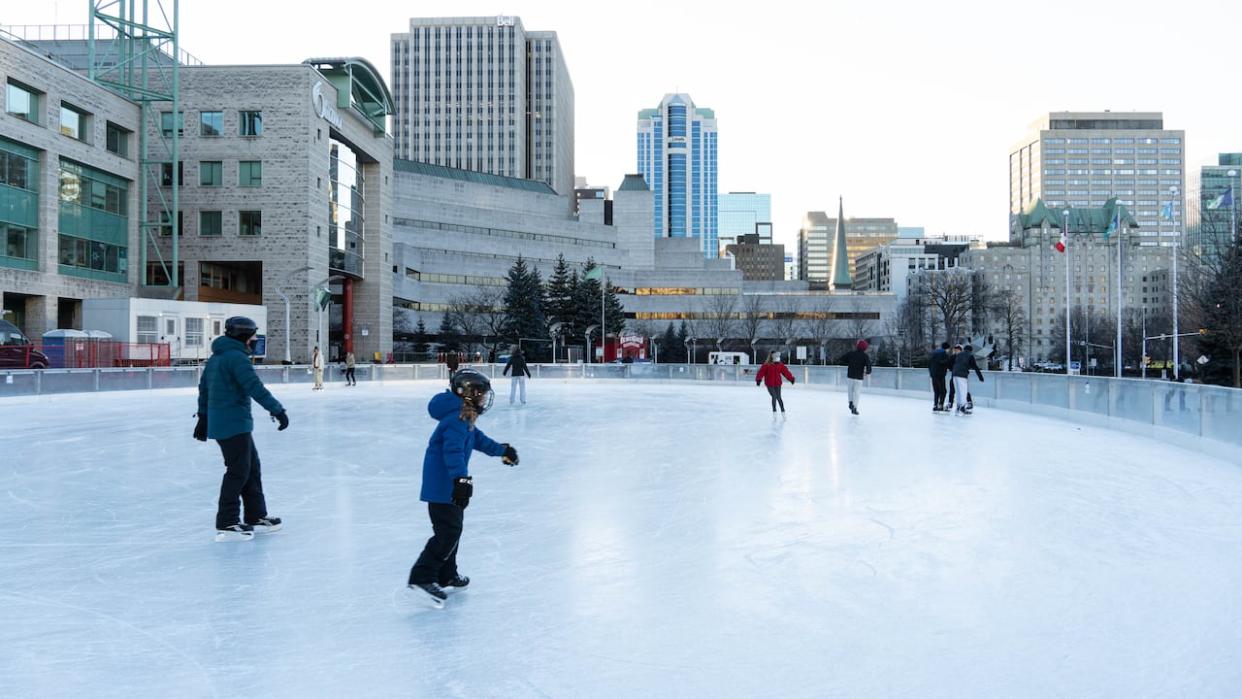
point(317, 368)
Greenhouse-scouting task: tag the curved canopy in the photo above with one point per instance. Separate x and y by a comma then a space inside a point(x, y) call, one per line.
point(359, 87)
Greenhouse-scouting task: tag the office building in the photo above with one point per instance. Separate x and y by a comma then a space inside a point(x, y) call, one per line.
point(677, 159)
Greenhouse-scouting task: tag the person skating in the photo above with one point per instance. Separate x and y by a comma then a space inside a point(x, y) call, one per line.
point(350, 363)
point(517, 363)
point(962, 365)
point(447, 484)
point(317, 368)
point(770, 374)
point(948, 408)
point(937, 367)
point(858, 364)
point(227, 386)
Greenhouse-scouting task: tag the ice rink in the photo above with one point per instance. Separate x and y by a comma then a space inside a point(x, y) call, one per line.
point(657, 540)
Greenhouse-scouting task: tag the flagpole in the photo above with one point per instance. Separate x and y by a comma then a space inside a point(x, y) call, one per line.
point(1068, 354)
point(1118, 355)
point(603, 329)
point(1176, 239)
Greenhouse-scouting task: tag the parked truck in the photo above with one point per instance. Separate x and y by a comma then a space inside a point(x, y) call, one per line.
point(187, 327)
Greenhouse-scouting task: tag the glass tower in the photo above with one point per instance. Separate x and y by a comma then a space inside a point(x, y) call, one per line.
point(677, 158)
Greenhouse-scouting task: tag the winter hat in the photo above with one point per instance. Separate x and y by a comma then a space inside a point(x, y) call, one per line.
point(776, 356)
point(862, 345)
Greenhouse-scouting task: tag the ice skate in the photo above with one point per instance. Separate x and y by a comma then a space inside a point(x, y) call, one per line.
point(457, 584)
point(431, 592)
point(236, 532)
point(266, 525)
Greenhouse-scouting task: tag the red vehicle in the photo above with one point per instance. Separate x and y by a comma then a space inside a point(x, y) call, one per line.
point(17, 351)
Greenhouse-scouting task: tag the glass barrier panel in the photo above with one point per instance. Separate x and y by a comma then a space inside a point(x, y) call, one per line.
point(1132, 400)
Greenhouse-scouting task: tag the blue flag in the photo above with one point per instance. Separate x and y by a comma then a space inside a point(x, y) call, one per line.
point(1224, 201)
point(1166, 212)
point(1114, 224)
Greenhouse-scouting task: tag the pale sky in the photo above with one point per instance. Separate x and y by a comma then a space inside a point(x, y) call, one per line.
point(907, 108)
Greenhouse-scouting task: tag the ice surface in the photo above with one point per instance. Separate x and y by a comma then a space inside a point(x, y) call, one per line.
point(657, 540)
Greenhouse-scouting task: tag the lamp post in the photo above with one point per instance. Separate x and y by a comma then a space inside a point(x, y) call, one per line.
point(1176, 239)
point(554, 330)
point(589, 331)
point(280, 290)
point(321, 333)
point(691, 341)
point(1068, 353)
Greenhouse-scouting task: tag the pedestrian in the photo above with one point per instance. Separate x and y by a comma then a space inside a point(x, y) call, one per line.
point(317, 368)
point(517, 363)
point(770, 374)
point(858, 364)
point(962, 365)
point(447, 484)
point(350, 363)
point(227, 386)
point(938, 366)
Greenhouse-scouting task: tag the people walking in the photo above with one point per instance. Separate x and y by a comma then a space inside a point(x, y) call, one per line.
point(963, 363)
point(350, 363)
point(317, 368)
point(938, 367)
point(858, 364)
point(228, 384)
point(517, 364)
point(770, 374)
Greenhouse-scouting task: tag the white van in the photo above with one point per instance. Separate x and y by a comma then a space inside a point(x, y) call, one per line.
point(728, 358)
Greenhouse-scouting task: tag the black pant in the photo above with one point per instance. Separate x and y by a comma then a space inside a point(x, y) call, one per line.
point(939, 390)
point(349, 376)
point(241, 478)
point(775, 392)
point(438, 562)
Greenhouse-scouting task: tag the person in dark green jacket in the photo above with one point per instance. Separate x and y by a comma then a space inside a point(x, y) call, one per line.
point(228, 384)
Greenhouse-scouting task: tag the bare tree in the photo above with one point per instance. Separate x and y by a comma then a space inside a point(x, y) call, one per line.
point(949, 292)
point(754, 313)
point(1211, 291)
point(488, 303)
point(1008, 312)
point(820, 321)
point(785, 324)
point(720, 320)
point(858, 326)
point(463, 314)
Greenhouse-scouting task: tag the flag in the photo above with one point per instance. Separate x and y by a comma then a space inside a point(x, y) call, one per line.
point(1166, 212)
point(1115, 224)
point(322, 297)
point(1224, 201)
point(596, 272)
point(1063, 242)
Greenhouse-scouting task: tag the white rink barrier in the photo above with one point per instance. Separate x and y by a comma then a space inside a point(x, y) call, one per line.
point(1187, 413)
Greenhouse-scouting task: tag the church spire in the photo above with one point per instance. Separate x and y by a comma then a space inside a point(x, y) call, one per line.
point(841, 259)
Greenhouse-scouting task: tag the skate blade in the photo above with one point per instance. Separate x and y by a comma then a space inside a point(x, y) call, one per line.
point(414, 597)
point(267, 530)
point(225, 537)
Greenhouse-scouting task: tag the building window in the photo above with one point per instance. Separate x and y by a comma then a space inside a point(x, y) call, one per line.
point(251, 123)
point(210, 223)
point(166, 124)
point(250, 173)
point(210, 123)
point(22, 101)
point(210, 173)
point(118, 140)
point(74, 123)
point(18, 242)
point(193, 332)
point(148, 330)
point(166, 224)
point(166, 175)
point(91, 255)
point(250, 223)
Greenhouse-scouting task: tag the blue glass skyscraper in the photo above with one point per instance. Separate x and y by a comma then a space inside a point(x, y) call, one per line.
point(677, 157)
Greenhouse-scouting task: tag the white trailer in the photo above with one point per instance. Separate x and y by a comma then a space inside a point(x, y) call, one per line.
point(187, 327)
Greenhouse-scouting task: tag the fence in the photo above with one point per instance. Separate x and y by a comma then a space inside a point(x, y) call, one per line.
point(1187, 413)
point(84, 353)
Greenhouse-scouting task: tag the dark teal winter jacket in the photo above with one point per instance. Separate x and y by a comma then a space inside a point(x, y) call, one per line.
point(229, 382)
point(448, 451)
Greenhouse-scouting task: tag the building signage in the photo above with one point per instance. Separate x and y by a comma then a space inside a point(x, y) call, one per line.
point(325, 108)
point(504, 21)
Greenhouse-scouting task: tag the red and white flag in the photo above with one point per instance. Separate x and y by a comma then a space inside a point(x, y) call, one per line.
point(1060, 246)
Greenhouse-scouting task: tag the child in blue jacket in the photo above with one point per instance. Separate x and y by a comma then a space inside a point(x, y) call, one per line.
point(447, 485)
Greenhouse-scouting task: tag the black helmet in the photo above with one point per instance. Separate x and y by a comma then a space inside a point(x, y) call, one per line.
point(240, 328)
point(470, 384)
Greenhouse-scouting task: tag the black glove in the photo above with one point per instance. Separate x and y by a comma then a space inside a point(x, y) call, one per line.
point(510, 456)
point(200, 429)
point(283, 418)
point(463, 488)
point(792, 382)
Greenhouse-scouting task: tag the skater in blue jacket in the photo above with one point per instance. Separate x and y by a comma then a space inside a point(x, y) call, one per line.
point(447, 485)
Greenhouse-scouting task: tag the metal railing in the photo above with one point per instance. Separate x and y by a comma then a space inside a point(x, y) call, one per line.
point(1191, 411)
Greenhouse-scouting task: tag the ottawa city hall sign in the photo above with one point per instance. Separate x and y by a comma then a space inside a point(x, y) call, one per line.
point(325, 108)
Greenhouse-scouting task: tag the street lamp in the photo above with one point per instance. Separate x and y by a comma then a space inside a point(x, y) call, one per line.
point(554, 330)
point(1176, 340)
point(589, 331)
point(691, 342)
point(283, 282)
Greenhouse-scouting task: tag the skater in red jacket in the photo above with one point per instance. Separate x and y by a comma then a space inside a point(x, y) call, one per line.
point(770, 375)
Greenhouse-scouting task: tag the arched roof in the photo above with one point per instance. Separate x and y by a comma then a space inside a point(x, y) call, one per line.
point(358, 82)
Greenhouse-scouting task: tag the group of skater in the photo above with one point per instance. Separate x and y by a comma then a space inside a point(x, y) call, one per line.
point(317, 365)
point(229, 383)
point(954, 362)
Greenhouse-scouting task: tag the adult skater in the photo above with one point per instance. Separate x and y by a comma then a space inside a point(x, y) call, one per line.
point(517, 363)
point(962, 364)
point(350, 363)
point(858, 364)
point(317, 368)
point(770, 373)
point(937, 367)
point(447, 485)
point(228, 384)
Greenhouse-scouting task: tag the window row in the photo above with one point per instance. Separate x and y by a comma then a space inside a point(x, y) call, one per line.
point(211, 173)
point(211, 223)
point(25, 102)
point(211, 123)
point(93, 255)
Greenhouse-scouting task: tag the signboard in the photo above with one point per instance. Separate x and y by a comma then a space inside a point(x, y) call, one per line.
point(260, 345)
point(504, 21)
point(324, 107)
point(802, 352)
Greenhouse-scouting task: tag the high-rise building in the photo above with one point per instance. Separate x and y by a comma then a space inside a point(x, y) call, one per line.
point(484, 94)
point(677, 158)
point(743, 213)
point(1212, 205)
point(757, 260)
point(1081, 159)
point(815, 242)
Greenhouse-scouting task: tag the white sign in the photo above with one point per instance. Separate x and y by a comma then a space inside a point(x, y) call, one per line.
point(324, 107)
point(801, 352)
point(365, 332)
point(504, 21)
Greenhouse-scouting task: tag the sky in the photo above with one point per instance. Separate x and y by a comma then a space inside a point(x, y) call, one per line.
point(907, 109)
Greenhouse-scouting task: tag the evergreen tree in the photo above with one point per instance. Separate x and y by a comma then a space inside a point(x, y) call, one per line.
point(586, 301)
point(668, 344)
point(559, 301)
point(421, 348)
point(615, 312)
point(448, 337)
point(523, 303)
point(683, 334)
